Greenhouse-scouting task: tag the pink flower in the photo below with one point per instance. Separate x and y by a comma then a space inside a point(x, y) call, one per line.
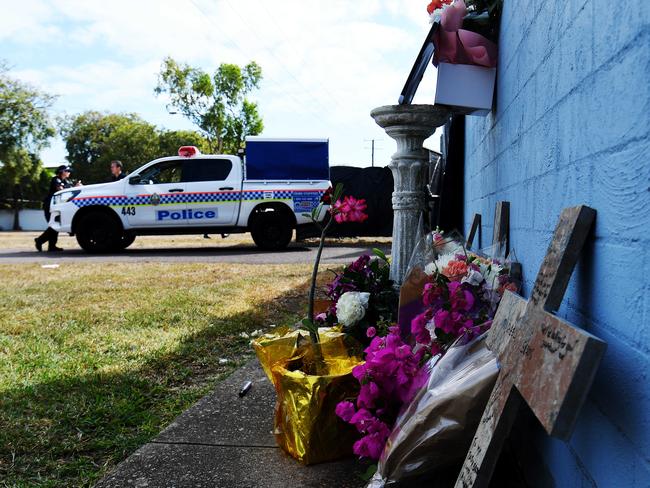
point(368, 395)
point(390, 377)
point(371, 332)
point(345, 410)
point(432, 293)
point(419, 328)
point(452, 17)
point(349, 209)
point(370, 446)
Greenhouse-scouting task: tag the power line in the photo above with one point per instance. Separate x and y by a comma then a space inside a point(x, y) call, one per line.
point(280, 62)
point(206, 18)
point(261, 43)
point(280, 29)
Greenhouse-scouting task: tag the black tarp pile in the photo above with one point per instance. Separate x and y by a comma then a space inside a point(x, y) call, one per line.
point(375, 185)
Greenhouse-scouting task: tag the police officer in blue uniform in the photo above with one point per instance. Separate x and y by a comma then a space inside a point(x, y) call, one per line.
point(117, 171)
point(60, 181)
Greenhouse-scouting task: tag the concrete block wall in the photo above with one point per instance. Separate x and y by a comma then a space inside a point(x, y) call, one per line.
point(572, 126)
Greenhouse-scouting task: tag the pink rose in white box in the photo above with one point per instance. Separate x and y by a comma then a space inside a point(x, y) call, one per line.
point(465, 53)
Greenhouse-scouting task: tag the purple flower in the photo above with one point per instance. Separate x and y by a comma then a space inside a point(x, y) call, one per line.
point(419, 328)
point(389, 379)
point(370, 446)
point(371, 332)
point(368, 395)
point(345, 410)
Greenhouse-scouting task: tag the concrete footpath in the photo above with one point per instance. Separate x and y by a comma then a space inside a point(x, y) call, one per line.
point(224, 441)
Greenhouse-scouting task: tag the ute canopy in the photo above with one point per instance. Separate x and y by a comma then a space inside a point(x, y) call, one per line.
point(287, 159)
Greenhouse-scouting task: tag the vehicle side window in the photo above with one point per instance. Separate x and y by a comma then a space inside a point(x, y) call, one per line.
point(206, 169)
point(162, 173)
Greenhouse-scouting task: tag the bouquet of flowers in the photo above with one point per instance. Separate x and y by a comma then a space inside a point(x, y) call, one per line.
point(459, 292)
point(362, 296)
point(461, 295)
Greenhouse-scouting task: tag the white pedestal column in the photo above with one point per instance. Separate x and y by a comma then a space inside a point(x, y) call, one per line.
point(409, 125)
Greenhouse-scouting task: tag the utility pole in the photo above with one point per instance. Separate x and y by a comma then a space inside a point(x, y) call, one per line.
point(372, 150)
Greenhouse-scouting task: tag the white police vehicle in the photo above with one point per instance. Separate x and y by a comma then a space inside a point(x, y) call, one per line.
point(266, 194)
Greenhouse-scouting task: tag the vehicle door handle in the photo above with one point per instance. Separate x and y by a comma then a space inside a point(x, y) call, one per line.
point(226, 188)
point(175, 190)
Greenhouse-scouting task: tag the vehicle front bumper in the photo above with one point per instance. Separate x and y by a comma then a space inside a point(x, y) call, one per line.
point(61, 216)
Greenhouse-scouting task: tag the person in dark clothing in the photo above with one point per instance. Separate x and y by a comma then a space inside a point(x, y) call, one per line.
point(60, 181)
point(117, 170)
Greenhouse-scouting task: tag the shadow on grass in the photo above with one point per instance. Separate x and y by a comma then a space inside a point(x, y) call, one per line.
point(72, 430)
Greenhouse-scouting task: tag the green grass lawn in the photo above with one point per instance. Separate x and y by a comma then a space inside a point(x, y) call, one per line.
point(95, 360)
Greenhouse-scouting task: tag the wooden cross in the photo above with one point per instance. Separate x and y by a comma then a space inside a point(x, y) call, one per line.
point(476, 227)
point(545, 361)
point(501, 232)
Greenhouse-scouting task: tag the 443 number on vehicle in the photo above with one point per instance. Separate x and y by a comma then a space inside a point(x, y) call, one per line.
point(128, 210)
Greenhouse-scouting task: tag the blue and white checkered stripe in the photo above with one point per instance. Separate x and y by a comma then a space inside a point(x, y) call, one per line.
point(84, 202)
point(176, 198)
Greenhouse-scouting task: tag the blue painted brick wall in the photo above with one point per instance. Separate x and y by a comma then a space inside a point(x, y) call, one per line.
point(572, 126)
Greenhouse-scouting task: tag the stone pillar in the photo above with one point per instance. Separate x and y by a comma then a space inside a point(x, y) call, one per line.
point(409, 125)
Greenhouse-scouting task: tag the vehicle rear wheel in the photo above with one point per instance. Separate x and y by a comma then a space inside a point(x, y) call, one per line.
point(98, 232)
point(271, 230)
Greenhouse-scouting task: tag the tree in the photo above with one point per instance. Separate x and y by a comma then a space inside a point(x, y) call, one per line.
point(94, 139)
point(171, 140)
point(216, 104)
point(25, 128)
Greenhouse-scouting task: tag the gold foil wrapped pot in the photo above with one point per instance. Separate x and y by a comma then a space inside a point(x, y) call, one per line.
point(309, 382)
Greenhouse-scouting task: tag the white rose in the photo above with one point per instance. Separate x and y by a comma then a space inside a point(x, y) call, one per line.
point(352, 307)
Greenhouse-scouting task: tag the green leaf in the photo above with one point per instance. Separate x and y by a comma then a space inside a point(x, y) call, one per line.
point(380, 254)
point(369, 473)
point(338, 191)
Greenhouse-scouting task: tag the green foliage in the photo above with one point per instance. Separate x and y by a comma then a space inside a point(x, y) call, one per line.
point(23, 177)
point(24, 119)
point(94, 139)
point(216, 104)
point(25, 128)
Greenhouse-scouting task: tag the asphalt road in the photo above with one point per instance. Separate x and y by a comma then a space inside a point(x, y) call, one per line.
point(240, 253)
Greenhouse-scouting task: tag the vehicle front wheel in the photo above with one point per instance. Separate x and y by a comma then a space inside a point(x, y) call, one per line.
point(271, 231)
point(98, 232)
point(125, 241)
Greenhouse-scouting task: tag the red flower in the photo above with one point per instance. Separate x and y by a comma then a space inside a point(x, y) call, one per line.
point(349, 210)
point(327, 196)
point(436, 4)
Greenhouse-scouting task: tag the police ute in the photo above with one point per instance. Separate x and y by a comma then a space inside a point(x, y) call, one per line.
point(267, 192)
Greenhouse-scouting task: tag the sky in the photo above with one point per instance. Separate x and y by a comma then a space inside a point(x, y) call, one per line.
point(326, 63)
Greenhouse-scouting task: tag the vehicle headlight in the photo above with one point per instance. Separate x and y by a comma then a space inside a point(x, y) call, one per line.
point(65, 196)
